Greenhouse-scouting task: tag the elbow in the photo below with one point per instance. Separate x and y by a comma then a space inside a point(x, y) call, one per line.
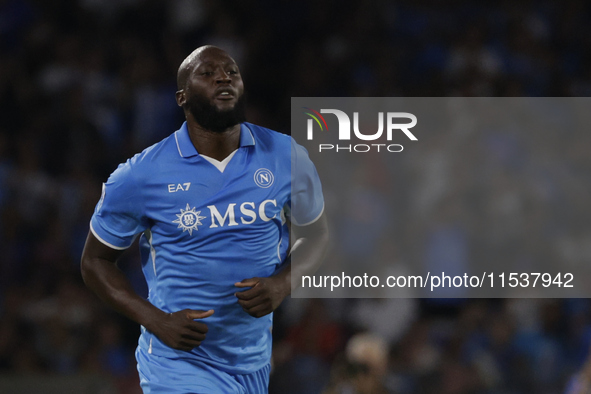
point(326, 235)
point(88, 267)
point(325, 242)
point(85, 270)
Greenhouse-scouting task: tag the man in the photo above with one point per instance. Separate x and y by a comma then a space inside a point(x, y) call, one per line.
point(211, 202)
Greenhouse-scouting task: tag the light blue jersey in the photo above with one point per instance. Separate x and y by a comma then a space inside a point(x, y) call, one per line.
point(206, 225)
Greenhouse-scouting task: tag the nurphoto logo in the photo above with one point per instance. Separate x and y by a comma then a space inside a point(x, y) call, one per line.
point(392, 120)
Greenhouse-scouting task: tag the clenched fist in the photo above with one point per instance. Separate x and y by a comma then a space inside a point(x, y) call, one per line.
point(179, 330)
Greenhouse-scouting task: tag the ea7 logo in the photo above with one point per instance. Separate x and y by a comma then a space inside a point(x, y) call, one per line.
point(345, 125)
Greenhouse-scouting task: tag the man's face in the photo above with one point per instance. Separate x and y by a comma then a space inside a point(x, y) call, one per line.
point(214, 91)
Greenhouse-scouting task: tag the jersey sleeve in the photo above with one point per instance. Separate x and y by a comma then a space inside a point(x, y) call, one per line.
point(118, 217)
point(307, 200)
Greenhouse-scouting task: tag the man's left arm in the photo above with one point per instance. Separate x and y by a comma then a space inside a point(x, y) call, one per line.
point(266, 294)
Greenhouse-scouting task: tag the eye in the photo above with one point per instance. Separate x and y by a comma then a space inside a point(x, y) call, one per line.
point(206, 73)
point(232, 72)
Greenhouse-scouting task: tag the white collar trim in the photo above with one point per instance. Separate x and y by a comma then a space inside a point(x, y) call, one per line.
point(220, 165)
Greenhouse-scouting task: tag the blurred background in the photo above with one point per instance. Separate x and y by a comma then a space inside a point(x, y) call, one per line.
point(85, 84)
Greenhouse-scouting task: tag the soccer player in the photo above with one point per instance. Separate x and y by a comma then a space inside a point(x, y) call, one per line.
point(211, 202)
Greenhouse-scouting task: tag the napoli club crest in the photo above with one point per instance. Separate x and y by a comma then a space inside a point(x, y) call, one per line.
point(263, 178)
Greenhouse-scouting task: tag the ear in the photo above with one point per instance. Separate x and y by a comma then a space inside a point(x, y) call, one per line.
point(180, 97)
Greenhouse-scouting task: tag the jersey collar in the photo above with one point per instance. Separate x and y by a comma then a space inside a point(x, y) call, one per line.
point(187, 149)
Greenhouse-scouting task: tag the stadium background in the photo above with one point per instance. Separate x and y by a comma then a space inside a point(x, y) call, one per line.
point(86, 84)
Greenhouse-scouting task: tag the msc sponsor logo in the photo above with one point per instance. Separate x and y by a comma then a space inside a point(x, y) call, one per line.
point(392, 125)
point(189, 219)
point(233, 215)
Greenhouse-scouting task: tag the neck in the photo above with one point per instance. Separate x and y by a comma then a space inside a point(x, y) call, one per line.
point(212, 144)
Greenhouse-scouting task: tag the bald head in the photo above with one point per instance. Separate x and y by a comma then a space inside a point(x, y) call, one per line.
point(210, 89)
point(190, 61)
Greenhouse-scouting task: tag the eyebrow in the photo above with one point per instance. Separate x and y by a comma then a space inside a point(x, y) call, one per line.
point(229, 62)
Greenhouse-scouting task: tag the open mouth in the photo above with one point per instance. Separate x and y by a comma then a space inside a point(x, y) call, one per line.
point(225, 94)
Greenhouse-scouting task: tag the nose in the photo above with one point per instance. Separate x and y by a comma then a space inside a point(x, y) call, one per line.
point(222, 76)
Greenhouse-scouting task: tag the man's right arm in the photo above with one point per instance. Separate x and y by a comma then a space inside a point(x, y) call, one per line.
point(101, 274)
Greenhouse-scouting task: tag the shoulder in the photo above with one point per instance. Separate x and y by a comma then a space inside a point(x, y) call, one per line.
point(144, 163)
point(276, 142)
point(269, 139)
point(163, 150)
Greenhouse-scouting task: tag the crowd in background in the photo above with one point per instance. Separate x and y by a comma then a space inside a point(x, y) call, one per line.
point(85, 84)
